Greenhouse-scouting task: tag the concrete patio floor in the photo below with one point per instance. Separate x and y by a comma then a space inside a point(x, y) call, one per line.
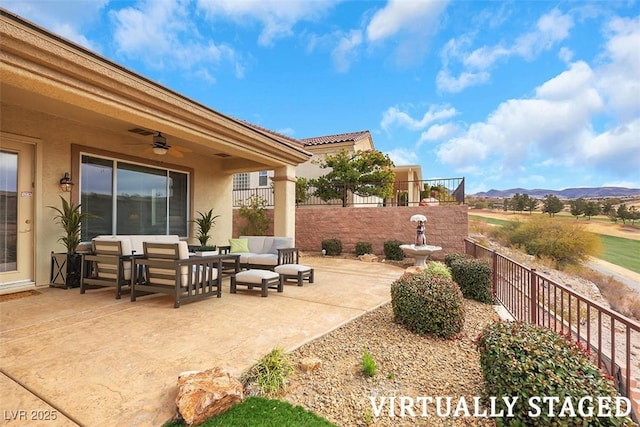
point(92, 360)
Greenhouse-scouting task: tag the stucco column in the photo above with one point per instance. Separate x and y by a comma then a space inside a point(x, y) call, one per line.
point(284, 190)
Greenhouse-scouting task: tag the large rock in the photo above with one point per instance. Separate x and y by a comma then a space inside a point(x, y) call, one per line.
point(368, 258)
point(202, 395)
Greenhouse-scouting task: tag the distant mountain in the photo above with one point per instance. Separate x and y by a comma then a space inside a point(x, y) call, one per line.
point(567, 193)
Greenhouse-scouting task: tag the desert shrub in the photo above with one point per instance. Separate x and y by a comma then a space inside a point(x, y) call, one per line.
point(363, 248)
point(392, 250)
point(474, 278)
point(565, 242)
point(428, 304)
point(368, 365)
point(450, 257)
point(332, 246)
point(269, 376)
point(540, 362)
point(437, 268)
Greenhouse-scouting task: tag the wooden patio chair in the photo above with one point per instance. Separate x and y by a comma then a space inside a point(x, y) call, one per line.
point(166, 268)
point(108, 264)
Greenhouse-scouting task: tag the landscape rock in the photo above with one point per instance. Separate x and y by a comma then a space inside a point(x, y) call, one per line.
point(204, 394)
point(368, 258)
point(310, 364)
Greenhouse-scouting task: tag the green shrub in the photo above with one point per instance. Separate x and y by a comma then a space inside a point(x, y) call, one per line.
point(368, 364)
point(428, 304)
point(392, 250)
point(524, 360)
point(474, 278)
point(449, 258)
point(254, 211)
point(437, 268)
point(332, 246)
point(363, 248)
point(270, 374)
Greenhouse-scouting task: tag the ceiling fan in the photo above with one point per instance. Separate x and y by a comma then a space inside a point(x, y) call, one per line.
point(160, 147)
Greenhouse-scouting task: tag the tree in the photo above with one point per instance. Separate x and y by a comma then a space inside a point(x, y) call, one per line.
point(364, 173)
point(623, 213)
point(591, 209)
point(551, 205)
point(577, 207)
point(302, 190)
point(255, 212)
point(530, 204)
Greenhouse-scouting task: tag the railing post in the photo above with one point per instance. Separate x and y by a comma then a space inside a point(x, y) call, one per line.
point(533, 297)
point(494, 273)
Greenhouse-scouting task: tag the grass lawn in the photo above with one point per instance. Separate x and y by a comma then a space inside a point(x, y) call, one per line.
point(616, 250)
point(261, 412)
point(622, 252)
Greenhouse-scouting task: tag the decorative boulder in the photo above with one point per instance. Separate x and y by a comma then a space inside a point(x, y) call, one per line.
point(204, 394)
point(310, 364)
point(368, 258)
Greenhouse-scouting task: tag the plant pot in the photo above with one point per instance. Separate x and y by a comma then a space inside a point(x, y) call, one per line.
point(65, 270)
point(206, 253)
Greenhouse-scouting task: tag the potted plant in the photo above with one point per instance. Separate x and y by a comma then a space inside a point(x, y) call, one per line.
point(204, 224)
point(70, 217)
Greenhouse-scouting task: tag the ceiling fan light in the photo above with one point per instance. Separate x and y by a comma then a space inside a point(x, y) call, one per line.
point(159, 139)
point(161, 151)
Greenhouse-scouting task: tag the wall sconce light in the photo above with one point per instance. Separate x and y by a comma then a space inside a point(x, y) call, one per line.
point(66, 184)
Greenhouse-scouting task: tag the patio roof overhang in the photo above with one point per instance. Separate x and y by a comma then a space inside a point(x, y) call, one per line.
point(43, 72)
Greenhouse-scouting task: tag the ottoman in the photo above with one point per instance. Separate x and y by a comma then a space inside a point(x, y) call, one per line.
point(297, 272)
point(265, 279)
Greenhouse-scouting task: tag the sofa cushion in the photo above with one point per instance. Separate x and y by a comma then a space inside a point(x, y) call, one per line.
point(239, 245)
point(263, 259)
point(280, 243)
point(257, 244)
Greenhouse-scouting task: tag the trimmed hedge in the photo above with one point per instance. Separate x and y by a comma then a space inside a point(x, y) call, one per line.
point(522, 360)
point(428, 304)
point(392, 250)
point(437, 268)
point(453, 256)
point(332, 246)
point(363, 248)
point(474, 278)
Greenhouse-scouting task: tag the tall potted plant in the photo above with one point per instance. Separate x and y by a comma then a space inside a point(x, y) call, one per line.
point(204, 224)
point(70, 217)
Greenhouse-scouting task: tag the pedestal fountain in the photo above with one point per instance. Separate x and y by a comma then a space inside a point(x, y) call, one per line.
point(420, 251)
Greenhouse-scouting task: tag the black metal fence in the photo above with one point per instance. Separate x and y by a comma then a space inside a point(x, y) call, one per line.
point(405, 193)
point(534, 298)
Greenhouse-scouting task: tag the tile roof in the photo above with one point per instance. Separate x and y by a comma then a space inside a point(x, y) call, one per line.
point(333, 139)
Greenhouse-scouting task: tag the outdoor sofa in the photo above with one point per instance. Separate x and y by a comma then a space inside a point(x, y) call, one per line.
point(261, 252)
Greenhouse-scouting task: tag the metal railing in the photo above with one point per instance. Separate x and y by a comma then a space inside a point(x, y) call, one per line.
point(405, 193)
point(611, 338)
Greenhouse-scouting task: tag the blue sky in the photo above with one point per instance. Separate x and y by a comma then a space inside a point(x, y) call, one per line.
point(533, 94)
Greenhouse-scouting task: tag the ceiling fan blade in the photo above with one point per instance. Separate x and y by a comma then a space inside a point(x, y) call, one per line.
point(175, 153)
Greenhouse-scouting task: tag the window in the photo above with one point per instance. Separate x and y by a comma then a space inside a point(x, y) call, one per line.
point(241, 181)
point(130, 198)
point(263, 180)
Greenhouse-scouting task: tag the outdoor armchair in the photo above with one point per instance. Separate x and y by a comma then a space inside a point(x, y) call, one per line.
point(108, 264)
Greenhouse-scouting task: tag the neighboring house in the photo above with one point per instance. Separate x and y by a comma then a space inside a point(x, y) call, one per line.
point(408, 177)
point(65, 109)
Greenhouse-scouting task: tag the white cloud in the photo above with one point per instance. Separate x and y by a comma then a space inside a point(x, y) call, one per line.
point(344, 52)
point(410, 23)
point(394, 116)
point(438, 132)
point(474, 65)
point(162, 34)
point(62, 17)
point(277, 17)
point(447, 83)
point(401, 156)
point(619, 77)
point(617, 148)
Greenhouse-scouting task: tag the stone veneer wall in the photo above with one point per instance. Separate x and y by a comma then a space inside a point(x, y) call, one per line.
point(447, 226)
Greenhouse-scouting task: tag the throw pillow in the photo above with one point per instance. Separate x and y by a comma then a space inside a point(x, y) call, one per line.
point(239, 245)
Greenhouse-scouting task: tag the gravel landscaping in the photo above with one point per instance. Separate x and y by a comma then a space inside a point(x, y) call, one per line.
point(407, 365)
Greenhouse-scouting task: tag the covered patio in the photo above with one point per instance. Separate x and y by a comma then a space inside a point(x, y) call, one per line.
point(98, 361)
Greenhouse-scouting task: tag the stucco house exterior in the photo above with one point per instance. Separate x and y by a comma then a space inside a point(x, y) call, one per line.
point(408, 177)
point(67, 110)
